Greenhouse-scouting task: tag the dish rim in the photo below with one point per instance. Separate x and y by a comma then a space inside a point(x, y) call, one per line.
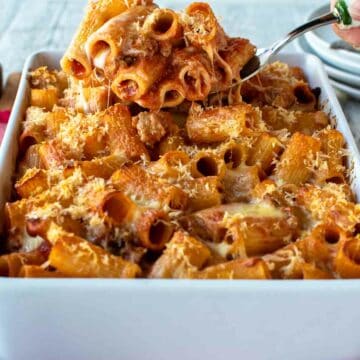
point(330, 57)
point(333, 72)
point(348, 59)
point(349, 90)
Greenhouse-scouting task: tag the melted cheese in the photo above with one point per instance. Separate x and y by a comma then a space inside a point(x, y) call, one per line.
point(241, 211)
point(100, 59)
point(30, 243)
point(79, 197)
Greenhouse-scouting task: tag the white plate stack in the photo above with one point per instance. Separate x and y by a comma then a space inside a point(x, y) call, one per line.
point(342, 65)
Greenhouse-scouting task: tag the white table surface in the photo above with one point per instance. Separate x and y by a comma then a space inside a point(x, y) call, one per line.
point(29, 25)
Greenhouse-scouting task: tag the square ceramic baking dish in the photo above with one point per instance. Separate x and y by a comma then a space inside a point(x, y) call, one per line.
point(97, 319)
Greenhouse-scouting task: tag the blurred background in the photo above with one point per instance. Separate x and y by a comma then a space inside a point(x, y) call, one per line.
point(30, 25)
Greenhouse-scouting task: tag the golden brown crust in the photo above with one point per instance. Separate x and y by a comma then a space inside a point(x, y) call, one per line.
point(230, 182)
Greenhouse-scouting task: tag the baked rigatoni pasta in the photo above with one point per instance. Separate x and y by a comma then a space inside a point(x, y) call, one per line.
point(145, 158)
point(75, 61)
point(155, 57)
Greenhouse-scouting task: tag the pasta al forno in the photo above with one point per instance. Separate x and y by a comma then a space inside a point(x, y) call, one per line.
point(140, 49)
point(140, 159)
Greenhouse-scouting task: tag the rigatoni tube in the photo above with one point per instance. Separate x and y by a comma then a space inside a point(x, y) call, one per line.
point(298, 160)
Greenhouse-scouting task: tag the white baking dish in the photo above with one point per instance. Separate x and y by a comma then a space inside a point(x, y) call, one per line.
point(178, 319)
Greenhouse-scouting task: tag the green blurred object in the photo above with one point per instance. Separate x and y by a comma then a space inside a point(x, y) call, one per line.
point(342, 11)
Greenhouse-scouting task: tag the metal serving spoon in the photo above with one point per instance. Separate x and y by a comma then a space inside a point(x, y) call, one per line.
point(263, 56)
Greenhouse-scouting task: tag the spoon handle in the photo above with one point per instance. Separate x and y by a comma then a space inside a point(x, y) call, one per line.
point(329, 18)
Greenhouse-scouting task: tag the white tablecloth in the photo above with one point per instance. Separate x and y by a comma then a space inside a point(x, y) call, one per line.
point(29, 25)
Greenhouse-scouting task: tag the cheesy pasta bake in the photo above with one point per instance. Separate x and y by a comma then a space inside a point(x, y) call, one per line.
point(146, 158)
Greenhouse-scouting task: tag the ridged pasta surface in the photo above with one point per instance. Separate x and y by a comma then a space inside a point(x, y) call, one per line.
point(144, 157)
